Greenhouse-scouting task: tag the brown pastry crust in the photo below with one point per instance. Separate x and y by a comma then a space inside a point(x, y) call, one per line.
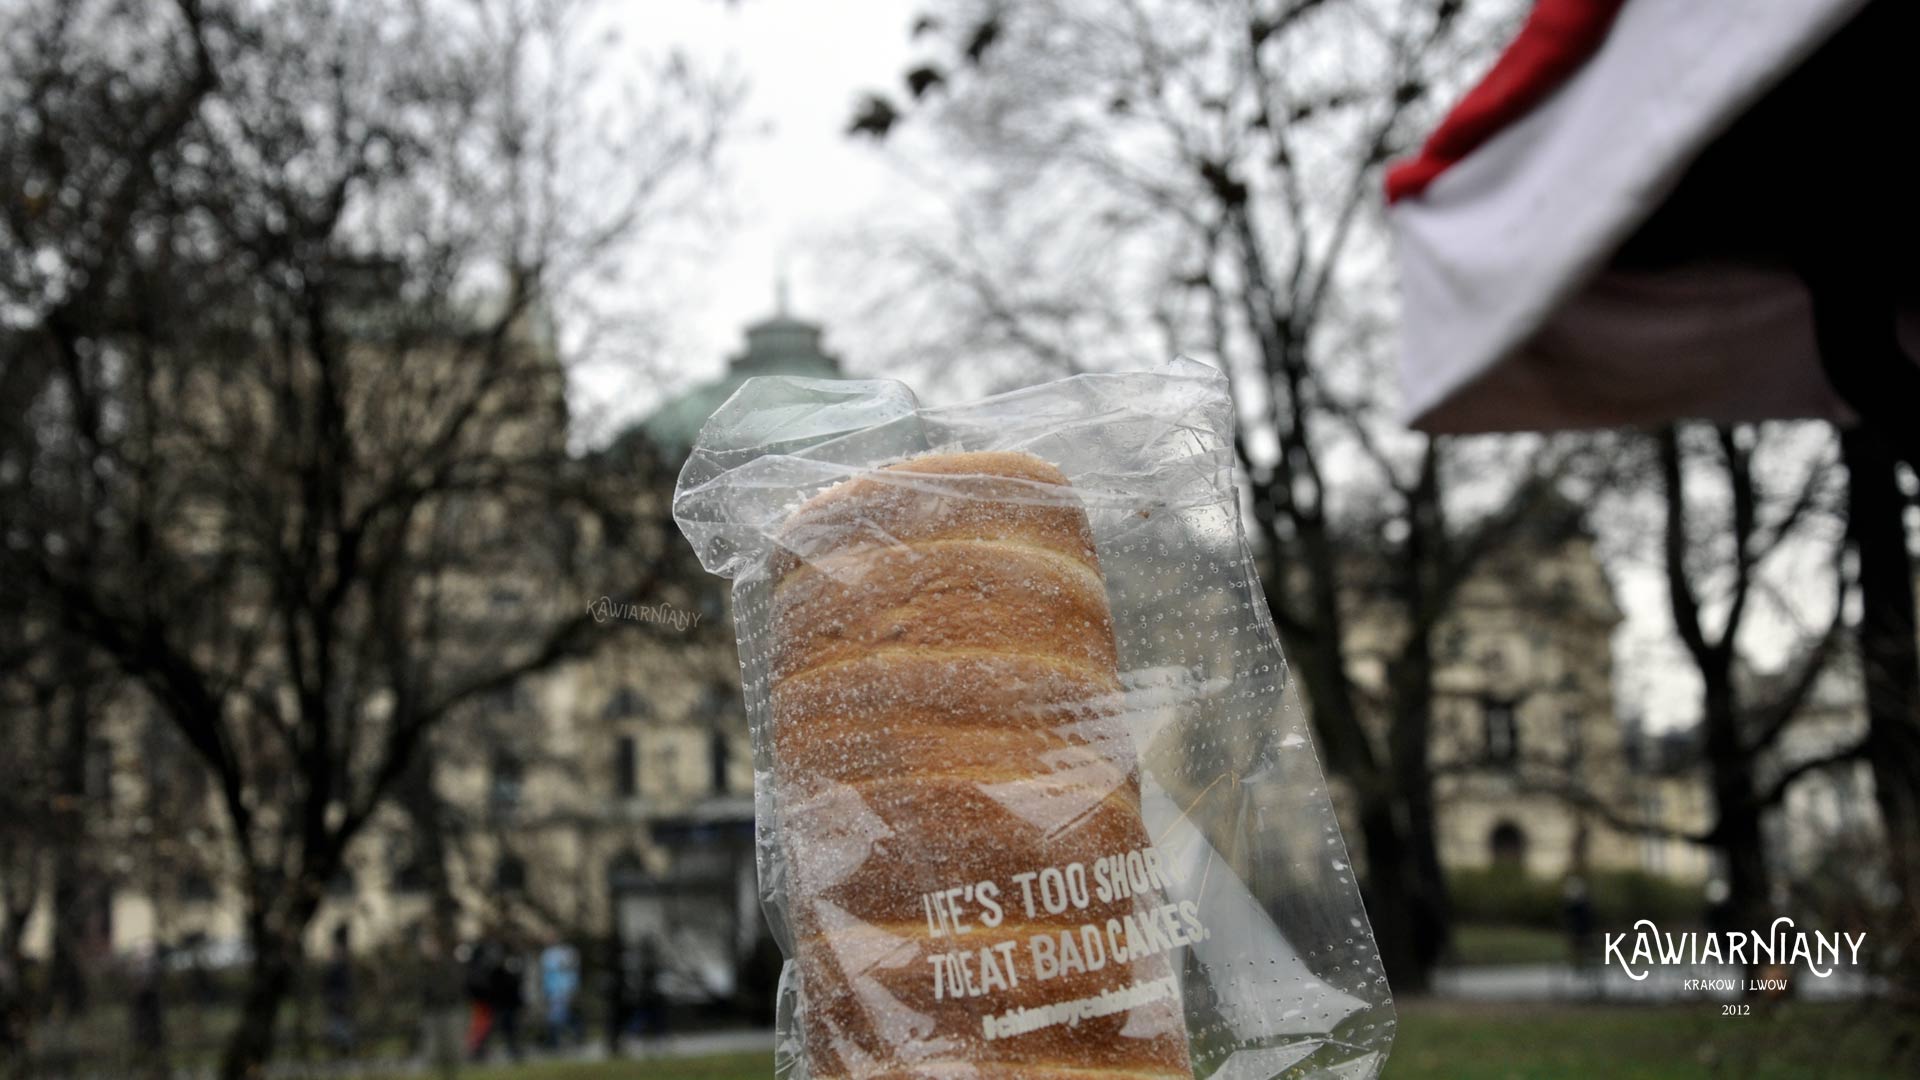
point(979, 595)
point(892, 714)
point(944, 697)
point(989, 495)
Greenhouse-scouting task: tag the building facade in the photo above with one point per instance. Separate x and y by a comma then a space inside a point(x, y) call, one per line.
point(1533, 767)
point(606, 796)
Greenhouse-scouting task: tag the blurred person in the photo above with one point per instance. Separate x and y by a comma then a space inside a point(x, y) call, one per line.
point(13, 1015)
point(336, 994)
point(202, 989)
point(649, 1004)
point(437, 979)
point(480, 961)
point(619, 997)
point(147, 1013)
point(559, 986)
point(1577, 915)
point(506, 994)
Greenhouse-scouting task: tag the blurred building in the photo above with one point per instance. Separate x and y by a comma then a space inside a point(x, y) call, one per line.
point(1531, 761)
point(616, 795)
point(1671, 793)
point(613, 794)
point(1825, 826)
point(1828, 818)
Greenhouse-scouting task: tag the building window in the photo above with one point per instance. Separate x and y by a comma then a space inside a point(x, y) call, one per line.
point(666, 765)
point(624, 703)
point(197, 887)
point(510, 873)
point(625, 871)
point(1575, 745)
point(626, 767)
point(506, 784)
point(407, 871)
point(721, 757)
point(1502, 732)
point(1508, 846)
point(714, 704)
point(342, 886)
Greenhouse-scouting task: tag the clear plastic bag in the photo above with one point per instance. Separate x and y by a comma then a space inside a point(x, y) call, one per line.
point(1033, 794)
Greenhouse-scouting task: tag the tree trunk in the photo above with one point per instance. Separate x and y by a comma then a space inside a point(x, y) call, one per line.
point(269, 979)
point(1392, 897)
point(73, 885)
point(1736, 831)
point(1888, 660)
point(440, 997)
point(276, 938)
point(1410, 741)
point(13, 998)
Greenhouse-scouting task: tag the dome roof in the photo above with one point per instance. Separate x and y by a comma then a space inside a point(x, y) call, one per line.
point(777, 345)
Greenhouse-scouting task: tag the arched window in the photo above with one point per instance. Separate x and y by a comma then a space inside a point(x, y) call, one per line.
point(1508, 845)
point(623, 704)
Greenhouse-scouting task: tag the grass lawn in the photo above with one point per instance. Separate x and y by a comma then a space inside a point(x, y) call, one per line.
point(1444, 1040)
point(1527, 1042)
point(726, 1067)
point(1478, 945)
point(1685, 1042)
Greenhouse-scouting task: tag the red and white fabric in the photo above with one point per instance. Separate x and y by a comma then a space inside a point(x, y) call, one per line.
point(1506, 220)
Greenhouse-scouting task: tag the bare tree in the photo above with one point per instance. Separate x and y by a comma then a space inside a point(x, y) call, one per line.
point(286, 288)
point(26, 839)
point(1889, 643)
point(1207, 177)
point(1742, 722)
point(53, 688)
point(1729, 519)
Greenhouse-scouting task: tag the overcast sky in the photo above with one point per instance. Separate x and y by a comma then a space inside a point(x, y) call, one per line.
point(793, 181)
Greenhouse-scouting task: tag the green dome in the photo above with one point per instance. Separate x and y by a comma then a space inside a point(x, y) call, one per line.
point(781, 345)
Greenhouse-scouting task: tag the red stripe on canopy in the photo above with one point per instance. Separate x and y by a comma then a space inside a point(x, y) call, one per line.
point(1558, 37)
